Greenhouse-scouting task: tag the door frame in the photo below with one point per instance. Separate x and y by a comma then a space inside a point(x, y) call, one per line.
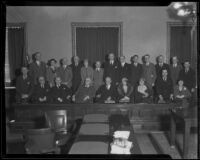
point(169, 25)
point(75, 25)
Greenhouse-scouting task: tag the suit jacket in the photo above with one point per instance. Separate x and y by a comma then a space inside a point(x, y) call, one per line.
point(50, 75)
point(175, 72)
point(188, 78)
point(112, 71)
point(23, 86)
point(105, 93)
point(184, 92)
point(86, 72)
point(36, 71)
point(121, 93)
point(66, 75)
point(98, 78)
point(149, 73)
point(76, 79)
point(63, 91)
point(135, 73)
point(84, 91)
point(40, 92)
point(124, 71)
point(164, 88)
point(159, 69)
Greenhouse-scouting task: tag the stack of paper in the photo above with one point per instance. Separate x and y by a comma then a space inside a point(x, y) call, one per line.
point(121, 145)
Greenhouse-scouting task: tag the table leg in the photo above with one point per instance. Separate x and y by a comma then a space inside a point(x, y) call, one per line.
point(186, 137)
point(173, 131)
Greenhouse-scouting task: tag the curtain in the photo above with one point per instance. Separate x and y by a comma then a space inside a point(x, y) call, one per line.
point(16, 51)
point(180, 42)
point(95, 43)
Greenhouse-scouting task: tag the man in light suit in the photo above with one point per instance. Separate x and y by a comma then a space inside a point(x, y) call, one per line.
point(149, 71)
point(37, 68)
point(98, 75)
point(65, 73)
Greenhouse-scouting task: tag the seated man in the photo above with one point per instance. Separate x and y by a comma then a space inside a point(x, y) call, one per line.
point(60, 93)
point(181, 93)
point(107, 92)
point(164, 87)
point(85, 92)
point(41, 91)
point(142, 93)
point(24, 87)
point(124, 91)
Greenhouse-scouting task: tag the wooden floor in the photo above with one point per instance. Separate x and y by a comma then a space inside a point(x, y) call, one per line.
point(158, 143)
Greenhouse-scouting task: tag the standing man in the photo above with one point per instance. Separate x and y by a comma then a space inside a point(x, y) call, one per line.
point(111, 69)
point(161, 65)
point(98, 75)
point(37, 68)
point(136, 71)
point(24, 87)
point(175, 69)
point(65, 73)
point(187, 74)
point(149, 71)
point(124, 69)
point(76, 72)
point(86, 71)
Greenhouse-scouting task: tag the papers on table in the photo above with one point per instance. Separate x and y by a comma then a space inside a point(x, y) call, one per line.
point(121, 145)
point(121, 134)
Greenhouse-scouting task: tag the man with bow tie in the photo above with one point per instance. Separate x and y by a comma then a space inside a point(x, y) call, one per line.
point(37, 68)
point(124, 69)
point(136, 71)
point(107, 93)
point(161, 65)
point(164, 87)
point(111, 69)
point(60, 93)
point(65, 73)
point(187, 74)
point(24, 86)
point(98, 75)
point(41, 91)
point(175, 68)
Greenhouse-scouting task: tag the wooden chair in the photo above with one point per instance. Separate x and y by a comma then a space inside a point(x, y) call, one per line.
point(57, 120)
point(41, 141)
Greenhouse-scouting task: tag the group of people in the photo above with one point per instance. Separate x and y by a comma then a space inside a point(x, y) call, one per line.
point(115, 82)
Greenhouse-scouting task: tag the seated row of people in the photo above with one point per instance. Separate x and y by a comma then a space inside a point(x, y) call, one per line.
point(106, 93)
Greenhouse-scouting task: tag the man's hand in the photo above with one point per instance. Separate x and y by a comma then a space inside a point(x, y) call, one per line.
point(60, 99)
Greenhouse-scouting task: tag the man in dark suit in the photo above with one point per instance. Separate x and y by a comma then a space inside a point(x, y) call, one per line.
point(76, 73)
point(187, 74)
point(60, 93)
point(164, 87)
point(111, 69)
point(161, 65)
point(124, 69)
point(37, 68)
point(136, 70)
point(41, 91)
point(107, 93)
point(24, 86)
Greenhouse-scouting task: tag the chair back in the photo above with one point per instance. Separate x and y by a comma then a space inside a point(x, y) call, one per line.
point(39, 140)
point(57, 120)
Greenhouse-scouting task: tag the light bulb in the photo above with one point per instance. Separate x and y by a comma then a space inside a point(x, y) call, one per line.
point(177, 5)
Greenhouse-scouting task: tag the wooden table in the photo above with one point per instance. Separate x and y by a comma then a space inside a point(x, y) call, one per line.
point(139, 114)
point(187, 116)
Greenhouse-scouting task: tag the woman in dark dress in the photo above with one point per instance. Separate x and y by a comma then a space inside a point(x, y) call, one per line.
point(142, 93)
